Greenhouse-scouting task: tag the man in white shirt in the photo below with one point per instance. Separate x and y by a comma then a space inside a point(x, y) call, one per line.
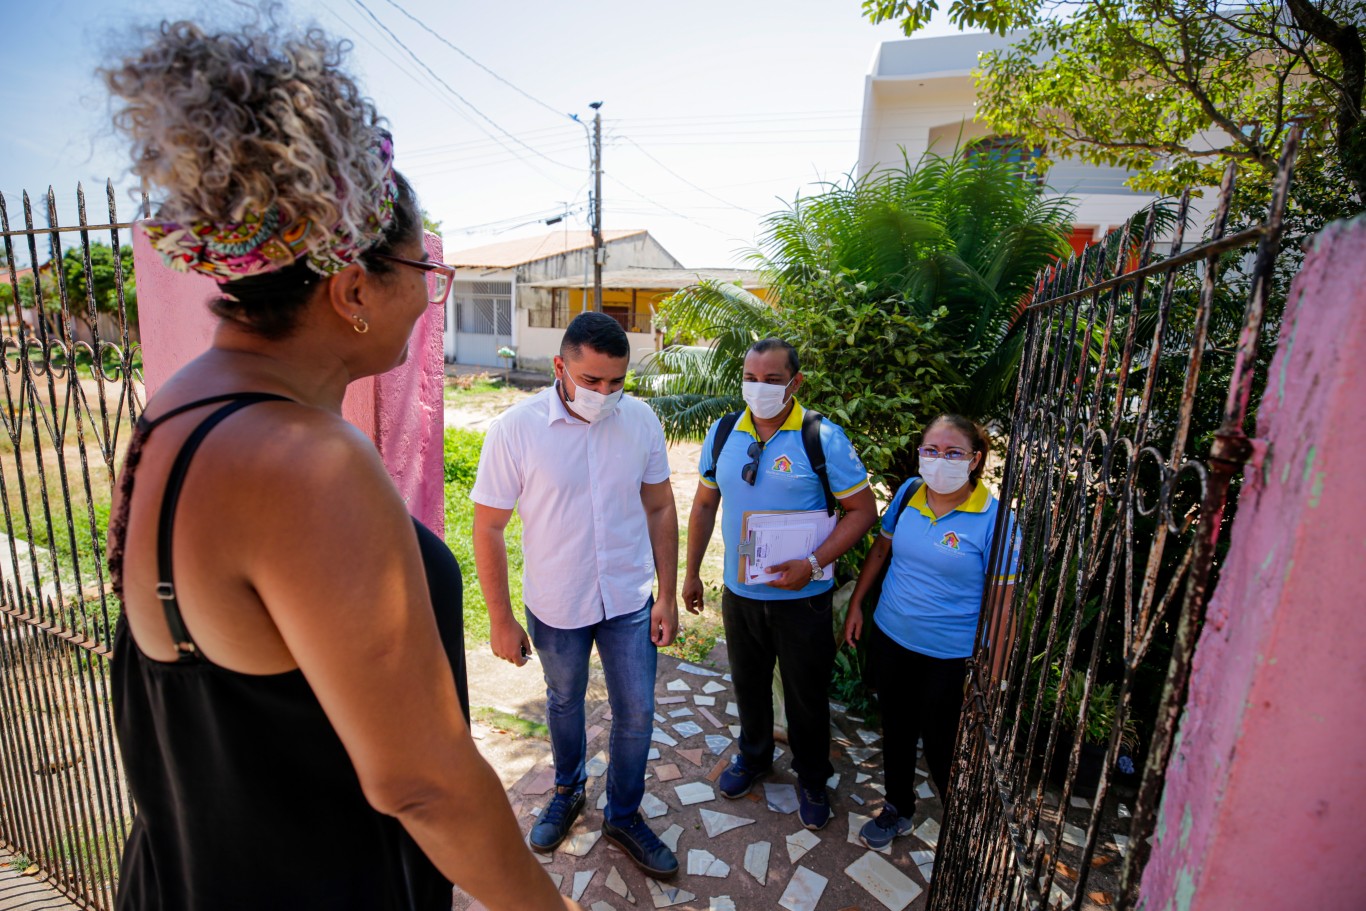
point(587, 470)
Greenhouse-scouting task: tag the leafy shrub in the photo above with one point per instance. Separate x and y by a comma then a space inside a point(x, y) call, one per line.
point(461, 455)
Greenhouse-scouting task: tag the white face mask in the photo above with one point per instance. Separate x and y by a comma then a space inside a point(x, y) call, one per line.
point(590, 404)
point(764, 399)
point(945, 477)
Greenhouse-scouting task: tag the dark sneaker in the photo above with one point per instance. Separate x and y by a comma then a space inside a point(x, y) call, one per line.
point(813, 807)
point(555, 820)
point(643, 847)
point(878, 833)
point(736, 781)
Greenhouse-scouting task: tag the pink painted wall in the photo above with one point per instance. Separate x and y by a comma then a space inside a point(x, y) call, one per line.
point(1265, 802)
point(400, 410)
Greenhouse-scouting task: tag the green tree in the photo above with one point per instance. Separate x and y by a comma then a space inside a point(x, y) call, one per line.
point(1172, 89)
point(101, 284)
point(432, 225)
point(902, 291)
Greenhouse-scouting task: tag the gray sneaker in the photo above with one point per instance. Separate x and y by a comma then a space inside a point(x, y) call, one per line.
point(878, 833)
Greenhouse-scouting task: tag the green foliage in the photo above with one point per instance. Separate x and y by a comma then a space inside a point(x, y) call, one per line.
point(462, 460)
point(26, 292)
point(461, 455)
point(1101, 711)
point(1142, 83)
point(694, 641)
point(901, 291)
point(429, 224)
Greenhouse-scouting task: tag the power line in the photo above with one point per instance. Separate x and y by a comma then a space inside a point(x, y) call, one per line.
point(665, 208)
point(442, 38)
point(643, 151)
point(447, 86)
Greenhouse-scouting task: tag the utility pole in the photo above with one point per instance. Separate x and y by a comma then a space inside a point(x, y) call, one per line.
point(599, 251)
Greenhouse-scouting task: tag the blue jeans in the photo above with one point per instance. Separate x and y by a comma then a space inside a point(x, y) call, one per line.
point(628, 661)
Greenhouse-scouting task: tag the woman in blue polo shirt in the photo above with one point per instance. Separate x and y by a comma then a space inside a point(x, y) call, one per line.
point(939, 544)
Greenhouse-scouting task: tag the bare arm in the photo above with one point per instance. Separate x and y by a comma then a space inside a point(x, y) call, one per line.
point(351, 605)
point(661, 518)
point(701, 524)
point(507, 638)
point(877, 557)
point(860, 512)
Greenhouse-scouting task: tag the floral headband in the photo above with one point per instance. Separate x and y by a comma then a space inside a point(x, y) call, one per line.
point(259, 244)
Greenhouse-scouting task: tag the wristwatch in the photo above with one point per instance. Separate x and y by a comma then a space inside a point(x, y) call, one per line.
point(816, 572)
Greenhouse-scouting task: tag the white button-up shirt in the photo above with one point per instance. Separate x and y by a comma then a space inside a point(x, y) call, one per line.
point(585, 542)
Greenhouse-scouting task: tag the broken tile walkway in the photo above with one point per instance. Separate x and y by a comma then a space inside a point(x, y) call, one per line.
point(750, 854)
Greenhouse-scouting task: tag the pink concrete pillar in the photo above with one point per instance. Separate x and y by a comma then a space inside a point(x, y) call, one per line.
point(1266, 794)
point(401, 411)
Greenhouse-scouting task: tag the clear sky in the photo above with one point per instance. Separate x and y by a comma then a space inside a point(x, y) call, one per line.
point(715, 112)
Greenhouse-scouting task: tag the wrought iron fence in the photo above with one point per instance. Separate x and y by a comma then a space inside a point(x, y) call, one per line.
point(1125, 440)
point(72, 393)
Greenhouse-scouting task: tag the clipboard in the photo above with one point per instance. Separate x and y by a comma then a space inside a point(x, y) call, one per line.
point(770, 537)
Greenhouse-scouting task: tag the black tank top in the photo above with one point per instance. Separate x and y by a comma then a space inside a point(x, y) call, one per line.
point(245, 796)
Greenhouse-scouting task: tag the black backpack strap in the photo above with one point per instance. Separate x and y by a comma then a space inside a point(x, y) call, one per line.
point(718, 442)
point(906, 501)
point(815, 454)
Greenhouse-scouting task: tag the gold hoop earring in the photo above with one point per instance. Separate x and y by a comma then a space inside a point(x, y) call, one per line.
point(361, 325)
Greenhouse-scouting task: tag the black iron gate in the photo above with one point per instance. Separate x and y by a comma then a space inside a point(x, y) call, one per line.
point(1126, 436)
point(72, 392)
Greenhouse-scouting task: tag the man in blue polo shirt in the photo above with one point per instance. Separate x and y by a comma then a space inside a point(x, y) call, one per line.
point(764, 467)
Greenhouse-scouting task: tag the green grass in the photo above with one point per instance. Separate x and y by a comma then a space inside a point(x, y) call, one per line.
point(462, 388)
point(461, 461)
point(512, 724)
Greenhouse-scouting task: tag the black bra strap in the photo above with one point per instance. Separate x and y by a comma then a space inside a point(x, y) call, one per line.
point(165, 590)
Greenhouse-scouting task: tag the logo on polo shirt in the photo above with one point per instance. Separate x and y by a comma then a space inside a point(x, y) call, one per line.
point(782, 463)
point(950, 540)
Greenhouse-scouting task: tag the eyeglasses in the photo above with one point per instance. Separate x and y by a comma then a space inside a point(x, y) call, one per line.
point(750, 473)
point(952, 454)
point(441, 274)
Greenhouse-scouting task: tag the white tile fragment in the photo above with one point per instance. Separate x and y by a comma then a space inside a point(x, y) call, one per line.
point(722, 903)
point(1124, 812)
point(704, 863)
point(928, 832)
point(804, 890)
point(833, 781)
point(659, 736)
point(735, 730)
point(684, 712)
point(697, 671)
point(579, 845)
point(581, 881)
point(726, 677)
point(665, 896)
point(879, 788)
point(652, 806)
point(678, 686)
point(601, 906)
point(868, 737)
point(704, 700)
point(777, 752)
point(659, 718)
point(782, 798)
point(694, 792)
point(670, 700)
point(926, 871)
point(799, 842)
point(713, 687)
point(1073, 835)
point(717, 823)
point(924, 791)
point(653, 754)
point(602, 801)
point(618, 885)
point(670, 836)
point(883, 881)
point(732, 710)
point(1121, 842)
point(920, 858)
point(860, 755)
point(556, 878)
point(596, 766)
point(861, 777)
point(856, 799)
point(837, 708)
point(717, 743)
point(1080, 803)
point(536, 811)
point(688, 729)
point(756, 860)
point(856, 823)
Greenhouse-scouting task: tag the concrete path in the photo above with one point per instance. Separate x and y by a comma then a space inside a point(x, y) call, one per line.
point(27, 893)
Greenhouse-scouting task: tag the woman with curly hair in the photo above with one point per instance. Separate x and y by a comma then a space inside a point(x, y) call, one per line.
point(290, 708)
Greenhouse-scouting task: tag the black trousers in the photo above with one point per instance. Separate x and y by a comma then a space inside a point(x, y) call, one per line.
point(920, 697)
point(797, 634)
